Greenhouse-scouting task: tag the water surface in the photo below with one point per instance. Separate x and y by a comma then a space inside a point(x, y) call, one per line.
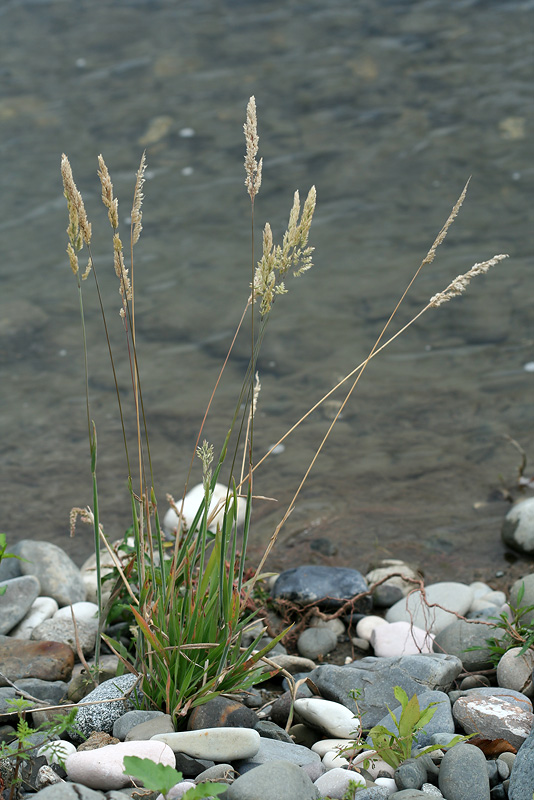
point(387, 107)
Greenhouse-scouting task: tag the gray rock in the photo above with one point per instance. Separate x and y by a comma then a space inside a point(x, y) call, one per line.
point(10, 567)
point(411, 774)
point(124, 724)
point(441, 722)
point(527, 581)
point(314, 642)
point(63, 630)
point(328, 587)
point(152, 727)
point(394, 589)
point(458, 637)
point(510, 695)
point(376, 678)
point(102, 716)
point(270, 730)
point(425, 611)
point(223, 773)
point(271, 750)
point(408, 794)
point(463, 774)
point(273, 781)
point(493, 718)
point(373, 793)
point(518, 528)
point(58, 575)
point(17, 600)
point(514, 671)
point(192, 767)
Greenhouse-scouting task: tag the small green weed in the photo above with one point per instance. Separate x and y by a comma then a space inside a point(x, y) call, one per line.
point(514, 632)
point(394, 748)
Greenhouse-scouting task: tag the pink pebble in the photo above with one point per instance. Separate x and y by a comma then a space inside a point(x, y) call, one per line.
point(400, 639)
point(104, 768)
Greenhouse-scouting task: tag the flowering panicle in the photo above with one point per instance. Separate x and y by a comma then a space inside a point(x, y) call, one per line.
point(111, 203)
point(137, 214)
point(460, 283)
point(293, 254)
point(79, 228)
point(252, 167)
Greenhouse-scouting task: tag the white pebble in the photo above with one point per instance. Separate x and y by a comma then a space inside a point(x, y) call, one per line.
point(387, 783)
point(192, 502)
point(325, 745)
point(83, 612)
point(187, 133)
point(332, 760)
point(366, 626)
point(332, 718)
point(376, 764)
point(104, 768)
point(42, 608)
point(54, 752)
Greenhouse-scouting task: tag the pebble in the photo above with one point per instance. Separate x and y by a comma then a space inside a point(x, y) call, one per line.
point(273, 781)
point(16, 601)
point(376, 767)
point(493, 718)
point(526, 585)
point(400, 639)
point(104, 768)
point(411, 774)
point(335, 782)
point(102, 715)
point(270, 750)
point(316, 642)
point(455, 598)
point(376, 678)
point(366, 626)
point(335, 624)
point(125, 723)
point(514, 671)
point(332, 718)
point(328, 587)
point(49, 661)
point(393, 589)
point(441, 722)
point(57, 574)
point(83, 612)
point(42, 608)
point(518, 528)
point(217, 744)
point(192, 502)
point(458, 637)
point(463, 774)
point(221, 712)
point(64, 630)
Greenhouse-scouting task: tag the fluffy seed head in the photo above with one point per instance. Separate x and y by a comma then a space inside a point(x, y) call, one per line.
point(461, 282)
point(252, 167)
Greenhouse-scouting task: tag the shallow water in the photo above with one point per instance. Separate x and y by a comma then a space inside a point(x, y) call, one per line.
point(387, 107)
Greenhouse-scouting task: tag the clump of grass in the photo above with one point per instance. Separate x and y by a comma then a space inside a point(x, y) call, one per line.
point(191, 602)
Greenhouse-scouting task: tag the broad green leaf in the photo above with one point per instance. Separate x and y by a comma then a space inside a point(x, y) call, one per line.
point(203, 790)
point(157, 777)
point(426, 715)
point(409, 717)
point(401, 696)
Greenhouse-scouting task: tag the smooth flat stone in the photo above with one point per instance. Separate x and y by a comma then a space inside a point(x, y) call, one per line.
point(49, 661)
point(58, 575)
point(216, 744)
point(400, 639)
point(493, 718)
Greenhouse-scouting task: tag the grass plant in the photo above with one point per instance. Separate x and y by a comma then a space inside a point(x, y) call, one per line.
point(191, 601)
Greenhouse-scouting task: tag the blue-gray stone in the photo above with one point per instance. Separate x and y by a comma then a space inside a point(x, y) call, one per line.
point(270, 730)
point(58, 575)
point(328, 587)
point(272, 750)
point(463, 774)
point(525, 584)
point(102, 715)
point(373, 793)
point(521, 785)
point(315, 642)
point(273, 781)
point(458, 637)
point(124, 724)
point(376, 678)
point(441, 722)
point(411, 774)
point(17, 599)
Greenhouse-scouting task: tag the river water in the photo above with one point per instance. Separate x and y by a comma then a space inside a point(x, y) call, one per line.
point(387, 106)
